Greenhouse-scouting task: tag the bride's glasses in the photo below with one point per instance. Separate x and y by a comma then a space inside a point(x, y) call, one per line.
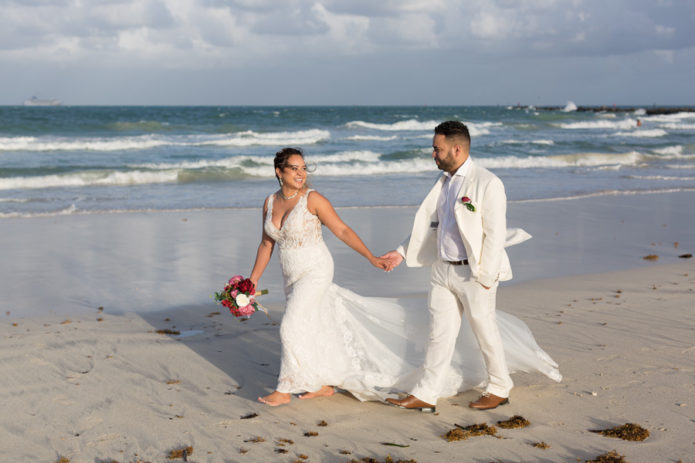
point(304, 168)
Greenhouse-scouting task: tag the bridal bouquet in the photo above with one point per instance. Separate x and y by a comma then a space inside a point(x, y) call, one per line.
point(239, 296)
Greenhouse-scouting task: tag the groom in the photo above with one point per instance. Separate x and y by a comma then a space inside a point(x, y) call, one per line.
point(459, 230)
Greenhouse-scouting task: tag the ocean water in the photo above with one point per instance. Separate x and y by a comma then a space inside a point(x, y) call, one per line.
point(70, 160)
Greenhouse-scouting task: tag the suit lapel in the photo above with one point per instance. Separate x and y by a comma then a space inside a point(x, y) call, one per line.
point(466, 189)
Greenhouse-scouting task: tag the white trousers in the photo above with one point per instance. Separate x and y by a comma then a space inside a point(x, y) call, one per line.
point(453, 292)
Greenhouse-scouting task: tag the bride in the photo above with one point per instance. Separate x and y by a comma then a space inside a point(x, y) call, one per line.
point(333, 338)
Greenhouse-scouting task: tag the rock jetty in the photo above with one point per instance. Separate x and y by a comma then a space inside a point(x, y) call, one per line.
point(624, 109)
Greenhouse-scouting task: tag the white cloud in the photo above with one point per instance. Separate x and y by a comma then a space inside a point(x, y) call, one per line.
point(156, 27)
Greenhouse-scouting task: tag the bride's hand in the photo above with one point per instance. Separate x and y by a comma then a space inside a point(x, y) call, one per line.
point(379, 262)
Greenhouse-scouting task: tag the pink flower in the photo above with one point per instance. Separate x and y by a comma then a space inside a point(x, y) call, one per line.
point(234, 293)
point(235, 279)
point(247, 310)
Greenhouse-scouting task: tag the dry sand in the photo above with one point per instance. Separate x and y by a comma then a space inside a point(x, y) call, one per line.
point(93, 390)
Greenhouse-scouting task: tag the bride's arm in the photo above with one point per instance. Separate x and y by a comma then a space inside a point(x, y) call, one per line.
point(265, 250)
point(323, 209)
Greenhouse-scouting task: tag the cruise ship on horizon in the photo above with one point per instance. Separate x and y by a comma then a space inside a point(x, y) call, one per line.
point(34, 101)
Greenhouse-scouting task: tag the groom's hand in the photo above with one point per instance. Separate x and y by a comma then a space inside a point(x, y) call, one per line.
point(394, 259)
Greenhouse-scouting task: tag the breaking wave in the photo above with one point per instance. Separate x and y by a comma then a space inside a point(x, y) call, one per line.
point(643, 133)
point(144, 142)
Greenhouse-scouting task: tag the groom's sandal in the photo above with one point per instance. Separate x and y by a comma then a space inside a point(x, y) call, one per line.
point(488, 401)
point(413, 403)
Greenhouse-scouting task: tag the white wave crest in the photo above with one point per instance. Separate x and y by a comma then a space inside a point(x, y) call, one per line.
point(74, 144)
point(341, 163)
point(82, 179)
point(263, 164)
point(660, 177)
point(143, 142)
point(523, 142)
point(371, 138)
point(643, 133)
point(674, 126)
point(569, 107)
point(676, 117)
point(600, 124)
point(250, 138)
point(563, 160)
point(395, 167)
point(475, 128)
point(676, 150)
point(345, 156)
point(481, 128)
point(410, 124)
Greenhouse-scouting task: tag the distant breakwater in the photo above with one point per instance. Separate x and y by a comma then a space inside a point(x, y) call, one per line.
point(623, 109)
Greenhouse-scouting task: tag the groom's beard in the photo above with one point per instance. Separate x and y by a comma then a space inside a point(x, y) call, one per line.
point(447, 165)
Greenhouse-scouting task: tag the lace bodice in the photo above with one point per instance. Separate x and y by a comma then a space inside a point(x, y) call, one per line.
point(301, 227)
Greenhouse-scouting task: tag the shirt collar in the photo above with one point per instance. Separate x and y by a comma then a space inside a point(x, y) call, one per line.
point(461, 171)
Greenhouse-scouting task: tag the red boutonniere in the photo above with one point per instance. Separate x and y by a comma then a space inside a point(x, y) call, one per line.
point(467, 202)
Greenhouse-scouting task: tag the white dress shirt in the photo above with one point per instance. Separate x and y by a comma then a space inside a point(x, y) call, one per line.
point(449, 239)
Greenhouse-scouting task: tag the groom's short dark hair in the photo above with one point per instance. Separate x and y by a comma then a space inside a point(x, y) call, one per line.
point(454, 129)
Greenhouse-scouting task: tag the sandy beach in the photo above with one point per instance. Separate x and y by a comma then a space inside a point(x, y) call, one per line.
point(86, 376)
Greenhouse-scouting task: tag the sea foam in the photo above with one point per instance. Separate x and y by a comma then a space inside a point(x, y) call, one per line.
point(599, 124)
point(410, 124)
point(642, 133)
point(82, 179)
point(143, 142)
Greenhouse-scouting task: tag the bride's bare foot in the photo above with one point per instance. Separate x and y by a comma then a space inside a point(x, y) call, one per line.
point(325, 391)
point(275, 398)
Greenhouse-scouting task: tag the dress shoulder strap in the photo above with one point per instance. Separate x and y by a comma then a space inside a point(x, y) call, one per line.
point(270, 203)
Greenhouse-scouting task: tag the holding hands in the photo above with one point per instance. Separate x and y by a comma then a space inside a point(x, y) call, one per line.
point(393, 260)
point(387, 262)
point(380, 262)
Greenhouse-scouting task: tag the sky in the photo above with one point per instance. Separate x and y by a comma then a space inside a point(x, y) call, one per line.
point(348, 52)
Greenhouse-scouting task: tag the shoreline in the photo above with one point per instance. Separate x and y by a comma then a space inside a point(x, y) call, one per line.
point(78, 212)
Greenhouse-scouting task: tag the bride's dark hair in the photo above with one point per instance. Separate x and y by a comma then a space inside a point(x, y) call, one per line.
point(282, 156)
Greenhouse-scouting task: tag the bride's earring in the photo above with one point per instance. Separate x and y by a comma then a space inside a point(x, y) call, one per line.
point(280, 180)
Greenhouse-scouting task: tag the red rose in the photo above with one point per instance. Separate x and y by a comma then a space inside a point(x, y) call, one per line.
point(246, 286)
point(467, 202)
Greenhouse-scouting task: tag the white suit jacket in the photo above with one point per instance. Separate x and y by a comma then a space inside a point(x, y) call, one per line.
point(484, 231)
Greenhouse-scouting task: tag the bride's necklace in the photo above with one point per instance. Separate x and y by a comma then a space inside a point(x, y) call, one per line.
point(290, 196)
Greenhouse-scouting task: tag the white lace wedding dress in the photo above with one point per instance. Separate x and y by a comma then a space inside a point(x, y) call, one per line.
point(372, 347)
